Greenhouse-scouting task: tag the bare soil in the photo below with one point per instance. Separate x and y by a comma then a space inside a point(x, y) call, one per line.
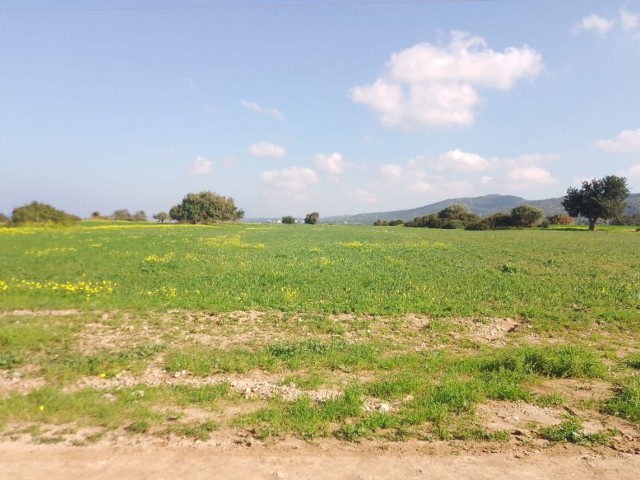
point(295, 459)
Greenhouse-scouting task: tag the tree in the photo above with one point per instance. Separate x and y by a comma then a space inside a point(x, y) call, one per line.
point(4, 220)
point(161, 217)
point(288, 220)
point(206, 207)
point(122, 215)
point(140, 216)
point(526, 216)
point(312, 218)
point(37, 212)
point(600, 198)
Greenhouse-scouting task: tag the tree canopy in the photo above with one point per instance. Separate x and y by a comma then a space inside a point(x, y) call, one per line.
point(312, 218)
point(206, 207)
point(600, 198)
point(37, 212)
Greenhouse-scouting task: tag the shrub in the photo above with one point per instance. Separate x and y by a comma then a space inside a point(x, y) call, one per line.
point(525, 216)
point(288, 220)
point(41, 213)
point(312, 218)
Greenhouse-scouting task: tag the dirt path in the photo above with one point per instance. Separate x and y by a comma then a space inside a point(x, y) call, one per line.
point(298, 460)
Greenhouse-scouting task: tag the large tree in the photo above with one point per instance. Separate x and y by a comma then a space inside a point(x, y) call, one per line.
point(206, 207)
point(312, 218)
point(600, 198)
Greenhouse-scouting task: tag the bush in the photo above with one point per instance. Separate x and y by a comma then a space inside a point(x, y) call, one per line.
point(4, 220)
point(206, 207)
point(41, 213)
point(380, 223)
point(525, 216)
point(288, 220)
point(560, 219)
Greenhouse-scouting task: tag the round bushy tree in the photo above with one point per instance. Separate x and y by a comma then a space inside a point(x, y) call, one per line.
point(526, 216)
point(603, 198)
point(206, 207)
point(37, 212)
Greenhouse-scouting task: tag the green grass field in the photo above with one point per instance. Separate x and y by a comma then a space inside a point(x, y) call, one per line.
point(354, 332)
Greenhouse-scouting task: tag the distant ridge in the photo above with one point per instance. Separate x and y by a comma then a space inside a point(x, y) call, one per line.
point(483, 206)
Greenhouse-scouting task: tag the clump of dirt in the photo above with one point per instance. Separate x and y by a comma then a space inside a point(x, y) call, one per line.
point(20, 380)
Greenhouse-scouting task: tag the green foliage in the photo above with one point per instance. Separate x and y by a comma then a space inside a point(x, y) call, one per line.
point(122, 215)
point(161, 217)
point(312, 218)
point(288, 220)
point(453, 217)
point(571, 431)
point(603, 198)
point(558, 362)
point(626, 403)
point(37, 212)
point(4, 220)
point(526, 216)
point(205, 207)
point(560, 219)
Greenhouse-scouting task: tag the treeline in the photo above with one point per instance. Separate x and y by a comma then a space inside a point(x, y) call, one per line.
point(458, 217)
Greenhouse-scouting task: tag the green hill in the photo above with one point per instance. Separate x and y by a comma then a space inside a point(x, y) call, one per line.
point(484, 206)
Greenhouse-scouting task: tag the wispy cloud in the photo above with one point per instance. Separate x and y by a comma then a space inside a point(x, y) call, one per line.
point(257, 108)
point(201, 166)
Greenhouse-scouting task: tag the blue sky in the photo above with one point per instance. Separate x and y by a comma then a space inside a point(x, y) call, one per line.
point(293, 106)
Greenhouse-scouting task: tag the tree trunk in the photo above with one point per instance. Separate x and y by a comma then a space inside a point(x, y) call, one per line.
point(592, 224)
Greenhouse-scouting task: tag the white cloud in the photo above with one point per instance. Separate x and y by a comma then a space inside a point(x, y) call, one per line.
point(391, 171)
point(364, 196)
point(333, 164)
point(628, 141)
point(597, 24)
point(201, 166)
point(436, 85)
point(459, 161)
point(628, 20)
point(257, 108)
point(267, 150)
point(531, 176)
point(291, 183)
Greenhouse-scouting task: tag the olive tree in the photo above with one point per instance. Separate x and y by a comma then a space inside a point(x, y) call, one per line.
point(206, 207)
point(600, 198)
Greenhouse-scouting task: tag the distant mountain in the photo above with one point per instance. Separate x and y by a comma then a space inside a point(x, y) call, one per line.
point(483, 206)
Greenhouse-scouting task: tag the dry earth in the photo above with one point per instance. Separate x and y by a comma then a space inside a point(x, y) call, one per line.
point(294, 459)
point(235, 454)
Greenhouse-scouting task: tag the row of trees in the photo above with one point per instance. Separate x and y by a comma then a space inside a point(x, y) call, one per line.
point(458, 216)
point(597, 199)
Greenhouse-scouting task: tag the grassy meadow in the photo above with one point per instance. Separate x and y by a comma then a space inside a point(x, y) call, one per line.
point(344, 331)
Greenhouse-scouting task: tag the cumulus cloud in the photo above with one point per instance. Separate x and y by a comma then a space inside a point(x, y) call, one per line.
point(459, 161)
point(201, 166)
point(291, 183)
point(531, 176)
point(391, 171)
point(257, 108)
point(437, 85)
point(597, 24)
point(627, 141)
point(333, 164)
point(267, 150)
